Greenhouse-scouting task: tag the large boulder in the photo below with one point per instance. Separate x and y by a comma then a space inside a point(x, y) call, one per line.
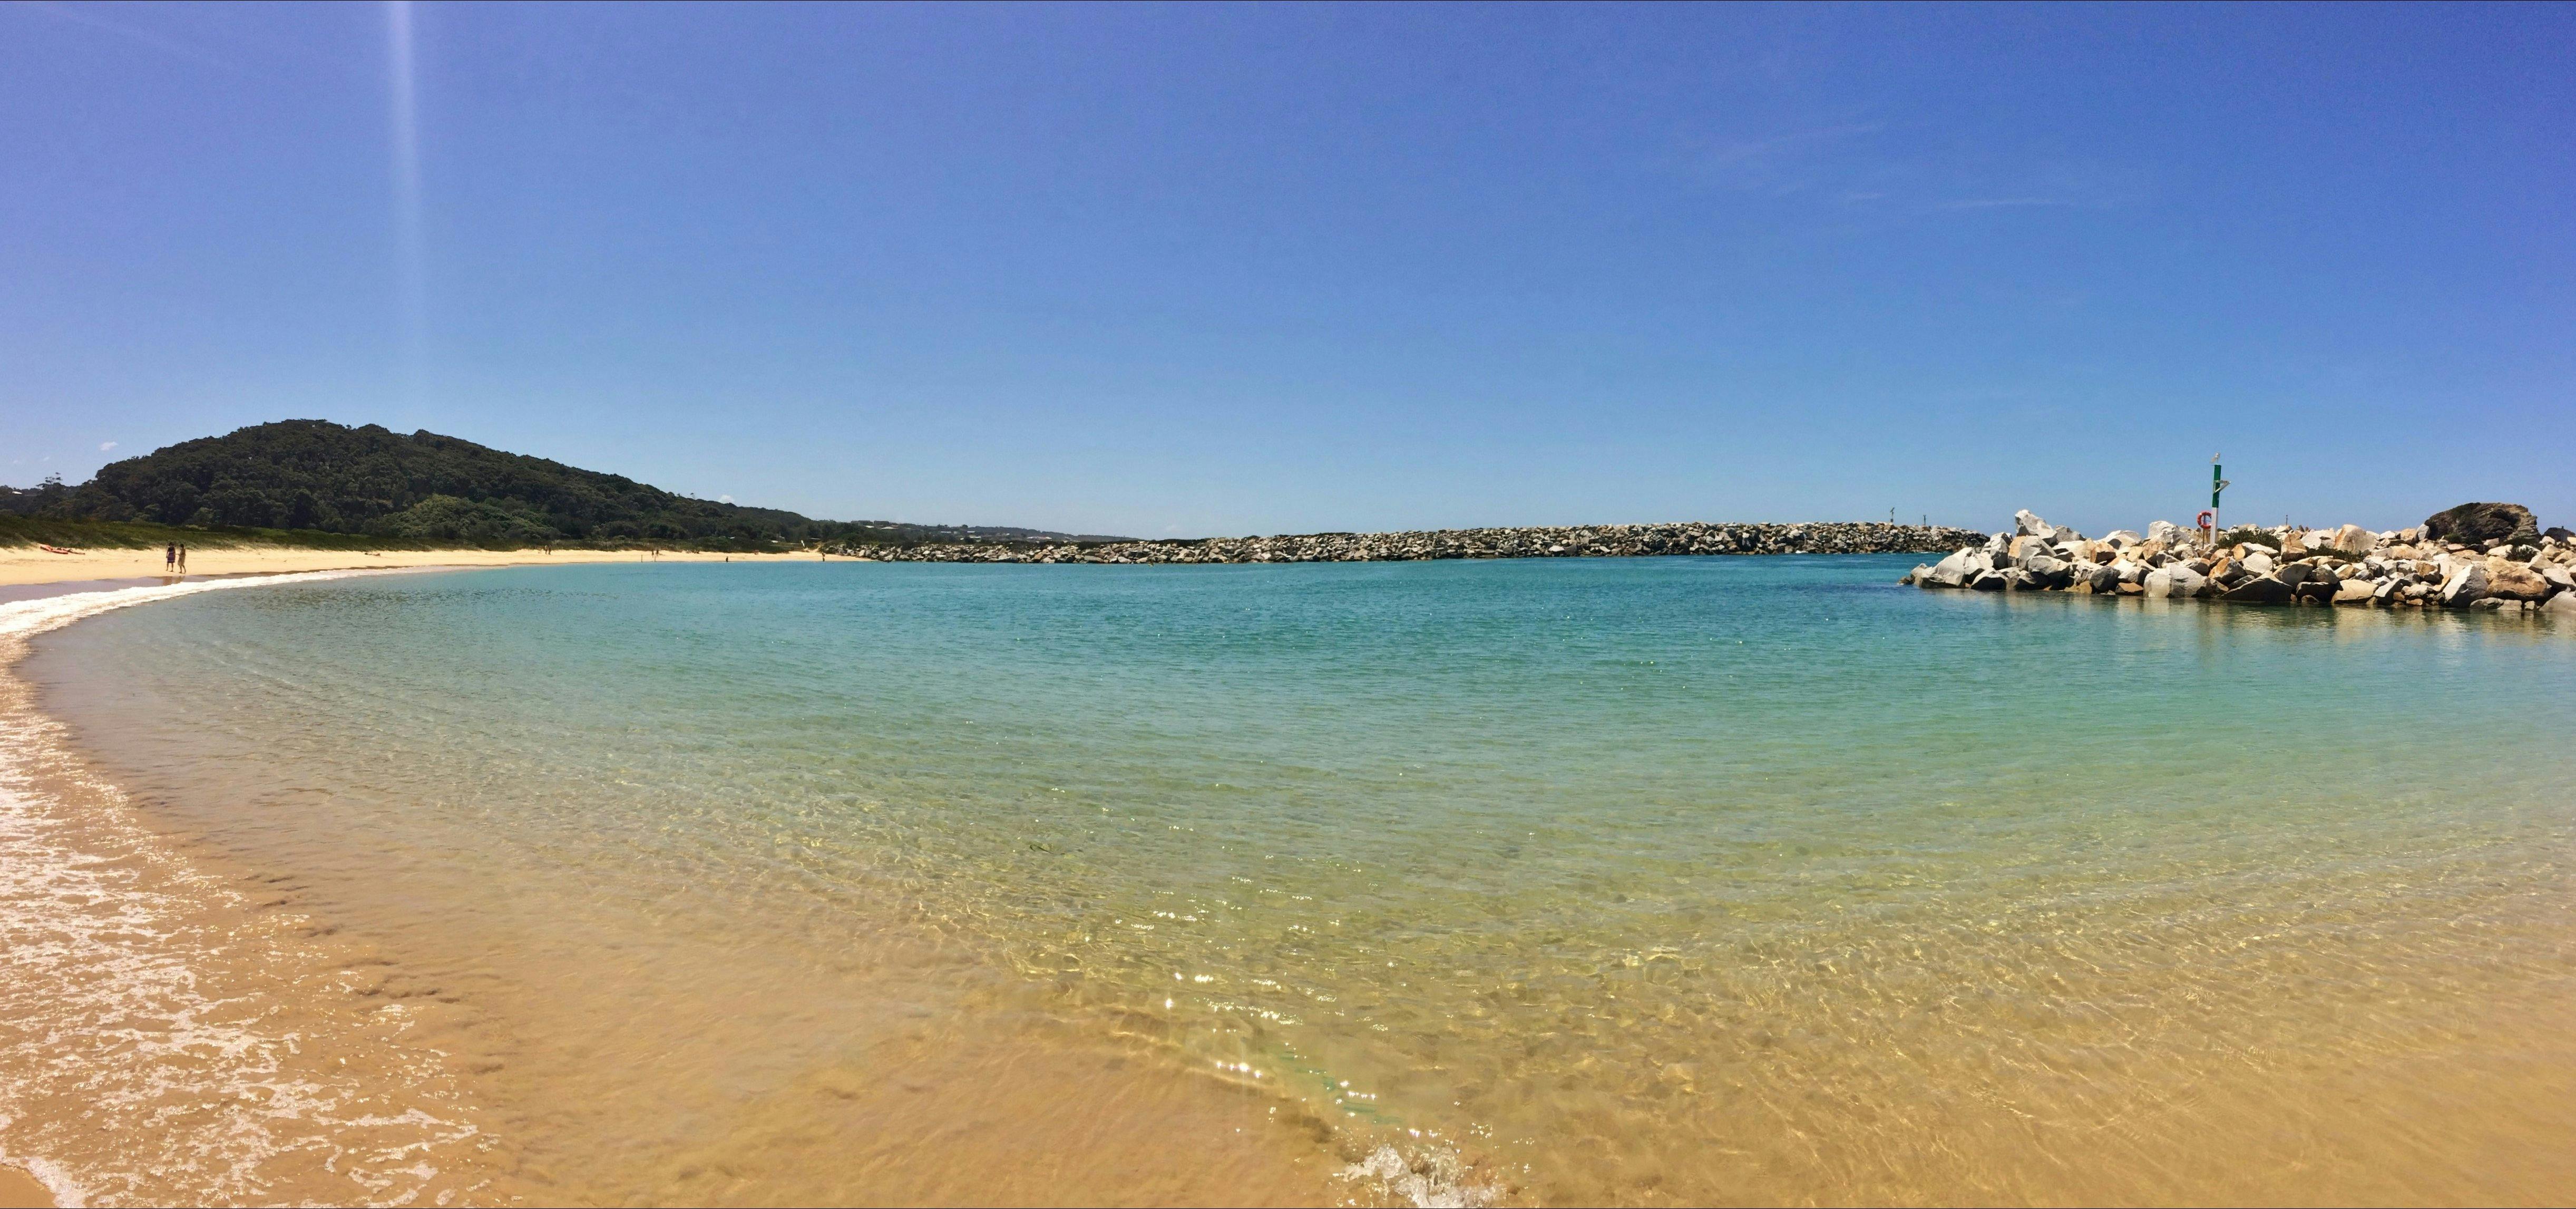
point(1987, 581)
point(1954, 571)
point(2047, 572)
point(2026, 523)
point(2561, 606)
point(2356, 591)
point(2354, 540)
point(2514, 581)
point(2122, 538)
point(2262, 589)
point(2258, 561)
point(2484, 525)
point(2104, 580)
point(2166, 581)
point(2466, 586)
point(2169, 533)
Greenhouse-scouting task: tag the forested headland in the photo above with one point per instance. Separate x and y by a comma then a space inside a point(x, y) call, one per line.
point(314, 482)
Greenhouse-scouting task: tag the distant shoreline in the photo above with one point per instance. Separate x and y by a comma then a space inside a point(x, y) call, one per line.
point(22, 566)
point(30, 565)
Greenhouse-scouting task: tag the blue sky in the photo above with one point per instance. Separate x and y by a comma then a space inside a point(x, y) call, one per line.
point(1195, 270)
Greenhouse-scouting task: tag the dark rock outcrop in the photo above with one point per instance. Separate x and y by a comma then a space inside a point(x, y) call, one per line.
point(2484, 524)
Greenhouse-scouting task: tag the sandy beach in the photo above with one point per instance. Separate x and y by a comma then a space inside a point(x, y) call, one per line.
point(26, 565)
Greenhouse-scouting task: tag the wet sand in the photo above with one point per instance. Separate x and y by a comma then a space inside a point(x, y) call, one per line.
point(19, 1190)
point(185, 1025)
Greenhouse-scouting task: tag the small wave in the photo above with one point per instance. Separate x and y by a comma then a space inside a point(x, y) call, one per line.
point(25, 618)
point(1437, 1178)
point(67, 1192)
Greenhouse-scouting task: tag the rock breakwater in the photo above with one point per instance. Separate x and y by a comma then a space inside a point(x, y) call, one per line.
point(1583, 541)
point(2476, 556)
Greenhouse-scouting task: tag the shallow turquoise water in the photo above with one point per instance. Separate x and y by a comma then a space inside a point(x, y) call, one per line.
point(1755, 878)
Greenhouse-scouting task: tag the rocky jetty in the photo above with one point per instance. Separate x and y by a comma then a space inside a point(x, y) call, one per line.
point(1586, 541)
point(2475, 556)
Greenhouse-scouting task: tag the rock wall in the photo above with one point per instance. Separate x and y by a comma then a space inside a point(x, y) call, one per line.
point(2521, 570)
point(1587, 541)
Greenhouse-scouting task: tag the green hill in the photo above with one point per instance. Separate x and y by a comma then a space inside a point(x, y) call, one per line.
point(317, 476)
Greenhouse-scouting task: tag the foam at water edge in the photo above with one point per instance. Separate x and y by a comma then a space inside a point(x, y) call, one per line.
point(66, 1191)
point(1434, 1179)
point(130, 1073)
point(21, 619)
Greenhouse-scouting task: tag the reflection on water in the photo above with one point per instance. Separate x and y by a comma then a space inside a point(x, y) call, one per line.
point(1656, 880)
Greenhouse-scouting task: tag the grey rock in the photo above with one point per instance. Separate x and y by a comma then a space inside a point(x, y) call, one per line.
point(2044, 571)
point(2176, 581)
point(2465, 586)
point(2262, 589)
point(1951, 572)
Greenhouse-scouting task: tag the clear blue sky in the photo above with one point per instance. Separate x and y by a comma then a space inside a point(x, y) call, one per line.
point(1198, 270)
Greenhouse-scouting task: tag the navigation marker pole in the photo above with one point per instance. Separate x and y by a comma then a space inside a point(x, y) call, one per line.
point(2216, 485)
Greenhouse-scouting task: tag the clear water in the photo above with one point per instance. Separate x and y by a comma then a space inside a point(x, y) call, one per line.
point(1635, 880)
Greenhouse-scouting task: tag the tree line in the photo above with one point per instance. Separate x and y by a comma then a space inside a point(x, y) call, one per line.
point(318, 475)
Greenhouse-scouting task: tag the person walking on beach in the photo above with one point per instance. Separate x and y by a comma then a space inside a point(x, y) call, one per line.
point(183, 558)
point(170, 558)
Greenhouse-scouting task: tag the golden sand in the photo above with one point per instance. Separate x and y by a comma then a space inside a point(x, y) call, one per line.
point(32, 565)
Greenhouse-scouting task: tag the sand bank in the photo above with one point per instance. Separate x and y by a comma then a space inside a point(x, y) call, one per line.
point(22, 565)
